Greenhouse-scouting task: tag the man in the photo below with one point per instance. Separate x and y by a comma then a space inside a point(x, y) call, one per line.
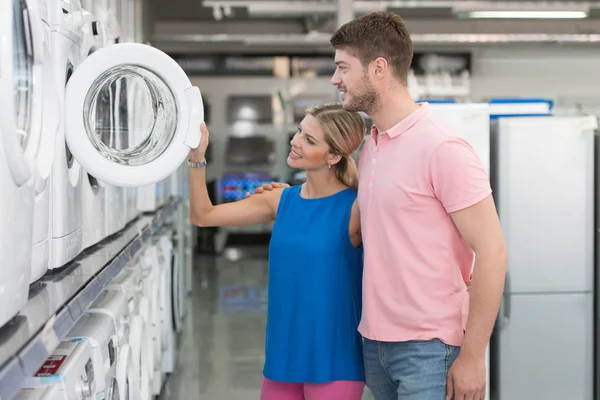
point(426, 210)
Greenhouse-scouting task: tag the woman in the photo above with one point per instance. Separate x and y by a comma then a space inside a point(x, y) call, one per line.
point(313, 348)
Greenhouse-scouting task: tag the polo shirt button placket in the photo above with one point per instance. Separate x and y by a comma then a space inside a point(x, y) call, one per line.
point(372, 177)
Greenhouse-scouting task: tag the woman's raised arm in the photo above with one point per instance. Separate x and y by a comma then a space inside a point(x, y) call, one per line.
point(250, 211)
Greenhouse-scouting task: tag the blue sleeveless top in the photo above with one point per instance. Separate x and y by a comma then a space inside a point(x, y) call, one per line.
point(315, 292)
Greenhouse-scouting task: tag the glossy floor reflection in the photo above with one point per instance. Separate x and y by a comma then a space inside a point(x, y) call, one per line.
point(221, 350)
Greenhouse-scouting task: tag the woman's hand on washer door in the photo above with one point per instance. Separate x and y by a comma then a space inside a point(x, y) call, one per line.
point(198, 154)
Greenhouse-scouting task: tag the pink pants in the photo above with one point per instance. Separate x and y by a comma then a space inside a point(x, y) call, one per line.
point(337, 390)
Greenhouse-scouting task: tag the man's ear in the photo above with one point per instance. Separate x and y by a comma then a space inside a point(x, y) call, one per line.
point(379, 66)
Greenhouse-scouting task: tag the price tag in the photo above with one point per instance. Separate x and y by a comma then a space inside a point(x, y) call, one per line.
point(51, 366)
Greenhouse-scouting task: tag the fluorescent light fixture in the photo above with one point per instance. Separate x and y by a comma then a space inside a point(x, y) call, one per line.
point(526, 14)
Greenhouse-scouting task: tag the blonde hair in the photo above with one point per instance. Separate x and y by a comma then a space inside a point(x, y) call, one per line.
point(344, 132)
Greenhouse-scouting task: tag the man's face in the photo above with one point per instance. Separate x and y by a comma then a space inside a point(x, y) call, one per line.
point(352, 80)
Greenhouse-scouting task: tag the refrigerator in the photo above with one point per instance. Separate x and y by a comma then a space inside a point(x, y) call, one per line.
point(543, 180)
point(470, 121)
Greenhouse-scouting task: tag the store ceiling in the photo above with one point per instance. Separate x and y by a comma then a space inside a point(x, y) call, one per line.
point(223, 26)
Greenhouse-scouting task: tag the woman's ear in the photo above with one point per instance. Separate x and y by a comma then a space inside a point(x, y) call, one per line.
point(333, 159)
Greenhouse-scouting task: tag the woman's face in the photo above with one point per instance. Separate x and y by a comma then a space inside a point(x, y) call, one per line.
point(309, 149)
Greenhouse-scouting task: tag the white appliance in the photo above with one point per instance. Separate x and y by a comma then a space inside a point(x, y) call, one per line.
point(94, 209)
point(40, 253)
point(150, 309)
point(168, 299)
point(66, 22)
point(472, 122)
point(186, 238)
point(178, 285)
point(114, 304)
point(183, 247)
point(99, 331)
point(94, 192)
point(67, 374)
point(19, 140)
point(129, 283)
point(114, 212)
point(149, 197)
point(129, 23)
point(105, 12)
point(544, 185)
point(131, 199)
point(171, 108)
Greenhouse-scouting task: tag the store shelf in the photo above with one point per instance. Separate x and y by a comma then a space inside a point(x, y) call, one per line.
point(61, 297)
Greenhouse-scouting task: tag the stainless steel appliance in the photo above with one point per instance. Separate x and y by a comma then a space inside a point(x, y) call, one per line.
point(543, 179)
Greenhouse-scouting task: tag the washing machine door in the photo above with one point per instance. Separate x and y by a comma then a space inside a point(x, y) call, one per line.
point(176, 290)
point(20, 105)
point(50, 113)
point(139, 146)
point(114, 391)
point(126, 375)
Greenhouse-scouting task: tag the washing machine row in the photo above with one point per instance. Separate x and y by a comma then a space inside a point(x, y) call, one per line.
point(124, 345)
point(92, 132)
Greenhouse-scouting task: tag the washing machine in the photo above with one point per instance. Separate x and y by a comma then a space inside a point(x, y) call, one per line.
point(67, 374)
point(151, 197)
point(99, 331)
point(19, 141)
point(128, 283)
point(142, 348)
point(66, 23)
point(114, 304)
point(171, 108)
point(151, 269)
point(168, 297)
point(126, 16)
point(182, 228)
point(178, 286)
point(94, 191)
point(40, 252)
point(105, 12)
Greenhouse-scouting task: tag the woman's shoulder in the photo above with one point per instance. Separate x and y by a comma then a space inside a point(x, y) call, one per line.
point(351, 192)
point(292, 189)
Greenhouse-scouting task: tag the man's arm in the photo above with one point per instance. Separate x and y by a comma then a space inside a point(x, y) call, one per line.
point(267, 187)
point(480, 227)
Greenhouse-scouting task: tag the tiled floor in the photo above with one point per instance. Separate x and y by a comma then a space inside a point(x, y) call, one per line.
point(221, 350)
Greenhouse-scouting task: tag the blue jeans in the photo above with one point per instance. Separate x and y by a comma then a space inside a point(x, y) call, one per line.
point(414, 370)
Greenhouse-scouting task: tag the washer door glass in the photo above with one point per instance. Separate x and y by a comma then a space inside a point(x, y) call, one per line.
point(22, 70)
point(130, 115)
point(140, 115)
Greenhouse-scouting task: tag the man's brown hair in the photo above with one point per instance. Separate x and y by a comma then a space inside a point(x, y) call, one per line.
point(377, 34)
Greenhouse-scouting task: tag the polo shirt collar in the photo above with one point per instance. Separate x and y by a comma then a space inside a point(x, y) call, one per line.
point(405, 124)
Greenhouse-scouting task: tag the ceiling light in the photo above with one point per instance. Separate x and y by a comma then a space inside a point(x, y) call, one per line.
point(525, 14)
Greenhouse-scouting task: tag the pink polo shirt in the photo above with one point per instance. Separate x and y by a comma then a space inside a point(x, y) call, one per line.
point(416, 262)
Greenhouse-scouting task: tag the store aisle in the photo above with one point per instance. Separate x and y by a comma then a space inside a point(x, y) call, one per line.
point(222, 346)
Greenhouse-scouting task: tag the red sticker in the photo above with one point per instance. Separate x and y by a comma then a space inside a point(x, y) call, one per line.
point(51, 366)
